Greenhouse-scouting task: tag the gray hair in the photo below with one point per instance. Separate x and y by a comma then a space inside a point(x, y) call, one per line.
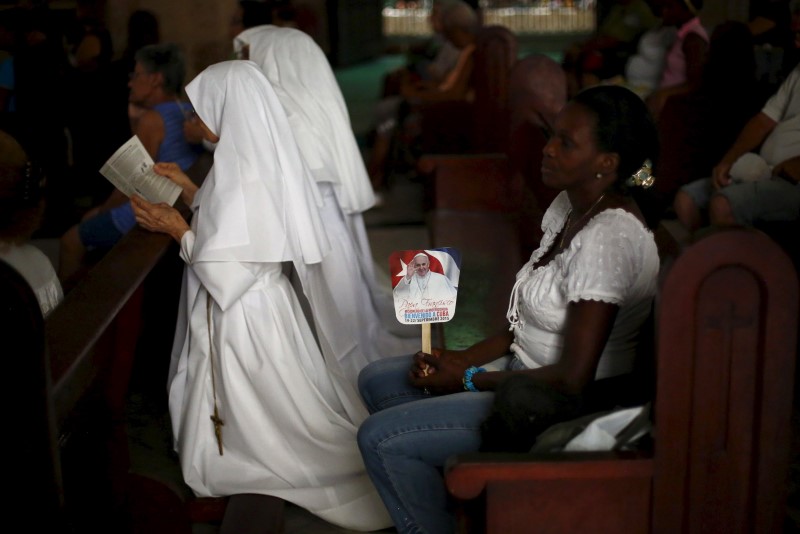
point(166, 59)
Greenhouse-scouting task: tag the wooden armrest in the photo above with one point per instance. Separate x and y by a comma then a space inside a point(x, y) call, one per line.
point(466, 475)
point(604, 492)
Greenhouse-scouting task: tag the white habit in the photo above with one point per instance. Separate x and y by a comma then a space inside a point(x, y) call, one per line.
point(289, 424)
point(353, 316)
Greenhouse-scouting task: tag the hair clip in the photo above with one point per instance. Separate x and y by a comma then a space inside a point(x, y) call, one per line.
point(644, 176)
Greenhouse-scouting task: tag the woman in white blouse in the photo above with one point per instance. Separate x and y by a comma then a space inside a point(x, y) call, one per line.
point(574, 314)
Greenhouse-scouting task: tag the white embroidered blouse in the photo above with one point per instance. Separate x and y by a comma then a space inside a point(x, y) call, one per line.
point(612, 259)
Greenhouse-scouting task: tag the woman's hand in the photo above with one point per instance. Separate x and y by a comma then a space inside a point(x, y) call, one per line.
point(441, 372)
point(161, 218)
point(174, 173)
point(193, 132)
point(721, 175)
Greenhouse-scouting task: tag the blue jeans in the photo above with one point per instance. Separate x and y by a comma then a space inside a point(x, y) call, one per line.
point(407, 439)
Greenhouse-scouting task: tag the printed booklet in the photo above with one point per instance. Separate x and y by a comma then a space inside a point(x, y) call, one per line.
point(130, 169)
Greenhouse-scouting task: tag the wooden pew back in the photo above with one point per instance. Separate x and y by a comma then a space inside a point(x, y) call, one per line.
point(727, 330)
point(481, 124)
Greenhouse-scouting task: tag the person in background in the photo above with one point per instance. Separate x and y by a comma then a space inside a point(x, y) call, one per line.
point(395, 114)
point(575, 312)
point(683, 64)
point(281, 424)
point(603, 56)
point(21, 209)
point(157, 118)
point(432, 59)
point(748, 187)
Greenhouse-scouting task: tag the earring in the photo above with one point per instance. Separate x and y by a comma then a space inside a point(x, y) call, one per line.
point(598, 175)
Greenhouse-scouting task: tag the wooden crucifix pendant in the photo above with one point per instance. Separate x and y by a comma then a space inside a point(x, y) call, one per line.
point(218, 423)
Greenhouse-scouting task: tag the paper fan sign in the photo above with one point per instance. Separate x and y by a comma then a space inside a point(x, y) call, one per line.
point(425, 285)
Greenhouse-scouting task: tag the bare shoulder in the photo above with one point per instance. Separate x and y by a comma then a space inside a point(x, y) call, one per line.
point(150, 122)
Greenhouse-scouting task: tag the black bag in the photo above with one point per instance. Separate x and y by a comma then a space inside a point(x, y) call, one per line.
point(523, 408)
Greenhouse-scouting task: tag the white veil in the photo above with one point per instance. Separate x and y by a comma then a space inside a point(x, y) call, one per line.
point(258, 202)
point(302, 77)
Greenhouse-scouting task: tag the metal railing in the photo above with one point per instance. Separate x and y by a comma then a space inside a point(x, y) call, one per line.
point(525, 17)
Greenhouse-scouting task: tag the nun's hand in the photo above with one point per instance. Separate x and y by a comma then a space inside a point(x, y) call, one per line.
point(174, 173)
point(161, 218)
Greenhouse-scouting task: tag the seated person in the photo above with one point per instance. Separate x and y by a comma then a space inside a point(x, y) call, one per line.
point(643, 69)
point(575, 313)
point(460, 27)
point(430, 60)
point(746, 187)
point(604, 55)
point(157, 118)
point(21, 208)
point(683, 64)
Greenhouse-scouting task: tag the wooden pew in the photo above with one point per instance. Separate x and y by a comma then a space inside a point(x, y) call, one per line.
point(91, 341)
point(34, 473)
point(479, 125)
point(76, 394)
point(727, 319)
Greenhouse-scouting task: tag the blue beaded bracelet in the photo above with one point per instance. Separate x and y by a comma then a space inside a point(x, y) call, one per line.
point(468, 374)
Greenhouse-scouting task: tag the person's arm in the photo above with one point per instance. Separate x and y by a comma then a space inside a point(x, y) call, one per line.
point(751, 136)
point(174, 173)
point(193, 132)
point(586, 332)
point(454, 87)
point(588, 327)
point(453, 363)
point(760, 25)
point(150, 130)
point(116, 198)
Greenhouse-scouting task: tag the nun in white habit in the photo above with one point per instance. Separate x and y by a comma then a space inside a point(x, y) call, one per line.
point(244, 353)
point(354, 316)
